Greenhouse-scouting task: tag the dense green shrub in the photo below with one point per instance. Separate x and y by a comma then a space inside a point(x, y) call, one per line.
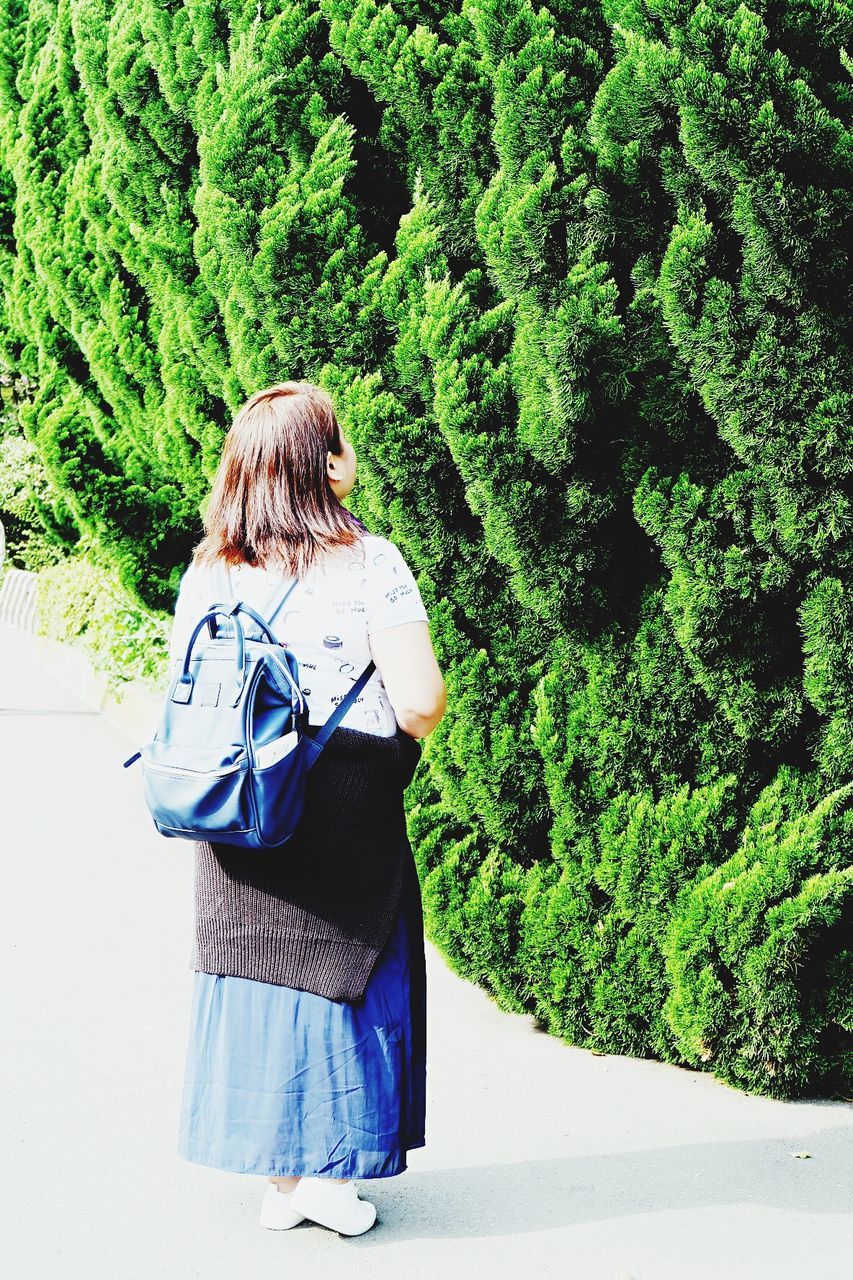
point(29, 505)
point(577, 278)
point(80, 603)
point(760, 950)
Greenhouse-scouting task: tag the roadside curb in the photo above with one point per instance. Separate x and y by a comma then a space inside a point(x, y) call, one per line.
point(135, 713)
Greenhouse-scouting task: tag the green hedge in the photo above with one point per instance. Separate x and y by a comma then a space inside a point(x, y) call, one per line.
point(577, 278)
point(80, 603)
point(31, 510)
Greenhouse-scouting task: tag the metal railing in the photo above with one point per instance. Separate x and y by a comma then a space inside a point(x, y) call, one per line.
point(18, 598)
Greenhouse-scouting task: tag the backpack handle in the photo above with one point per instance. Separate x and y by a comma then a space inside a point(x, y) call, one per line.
point(278, 598)
point(185, 680)
point(240, 607)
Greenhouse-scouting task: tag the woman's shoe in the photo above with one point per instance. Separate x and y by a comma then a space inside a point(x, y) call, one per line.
point(277, 1212)
point(336, 1205)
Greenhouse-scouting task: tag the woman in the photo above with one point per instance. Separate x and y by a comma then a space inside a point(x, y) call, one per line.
point(307, 1048)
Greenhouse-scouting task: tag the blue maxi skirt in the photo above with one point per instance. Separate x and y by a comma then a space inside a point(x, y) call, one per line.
point(283, 1082)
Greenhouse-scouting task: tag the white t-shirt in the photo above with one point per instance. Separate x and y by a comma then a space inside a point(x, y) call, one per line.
point(325, 621)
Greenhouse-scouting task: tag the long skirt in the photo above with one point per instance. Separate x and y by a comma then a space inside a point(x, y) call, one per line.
point(283, 1082)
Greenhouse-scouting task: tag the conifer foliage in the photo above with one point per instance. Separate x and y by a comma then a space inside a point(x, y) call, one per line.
point(577, 278)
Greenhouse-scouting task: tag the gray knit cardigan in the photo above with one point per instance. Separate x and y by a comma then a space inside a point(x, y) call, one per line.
point(316, 912)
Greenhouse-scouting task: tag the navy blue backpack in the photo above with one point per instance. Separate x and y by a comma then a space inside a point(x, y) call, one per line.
point(230, 757)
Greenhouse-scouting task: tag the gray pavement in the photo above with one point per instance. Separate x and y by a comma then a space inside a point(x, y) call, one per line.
point(540, 1157)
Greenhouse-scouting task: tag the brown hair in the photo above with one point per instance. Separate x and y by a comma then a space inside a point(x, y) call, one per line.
point(271, 503)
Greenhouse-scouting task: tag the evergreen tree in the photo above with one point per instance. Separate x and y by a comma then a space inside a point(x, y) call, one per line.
point(577, 278)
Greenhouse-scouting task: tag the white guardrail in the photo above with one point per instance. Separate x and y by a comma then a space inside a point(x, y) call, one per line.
point(18, 598)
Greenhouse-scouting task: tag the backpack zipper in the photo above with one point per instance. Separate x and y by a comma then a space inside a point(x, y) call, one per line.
point(196, 773)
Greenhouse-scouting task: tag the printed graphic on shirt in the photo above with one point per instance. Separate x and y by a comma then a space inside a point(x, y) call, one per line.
point(325, 622)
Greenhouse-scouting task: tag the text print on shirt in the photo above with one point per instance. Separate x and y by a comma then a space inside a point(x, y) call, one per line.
point(325, 622)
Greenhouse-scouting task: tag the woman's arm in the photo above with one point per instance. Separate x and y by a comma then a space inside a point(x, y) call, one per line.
point(406, 661)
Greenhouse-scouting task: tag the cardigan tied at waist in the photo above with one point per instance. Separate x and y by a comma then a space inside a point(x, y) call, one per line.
point(316, 912)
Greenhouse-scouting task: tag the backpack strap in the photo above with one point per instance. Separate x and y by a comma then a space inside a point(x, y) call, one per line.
point(279, 596)
point(225, 575)
point(319, 741)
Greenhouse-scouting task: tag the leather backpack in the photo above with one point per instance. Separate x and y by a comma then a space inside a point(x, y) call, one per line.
point(230, 757)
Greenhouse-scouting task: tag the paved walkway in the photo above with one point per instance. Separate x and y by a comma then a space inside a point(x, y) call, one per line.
point(540, 1159)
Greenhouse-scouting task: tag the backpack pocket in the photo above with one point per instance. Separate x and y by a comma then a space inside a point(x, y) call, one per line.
point(203, 796)
point(278, 789)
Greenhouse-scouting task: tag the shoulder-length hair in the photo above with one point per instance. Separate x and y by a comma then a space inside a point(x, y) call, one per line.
point(271, 503)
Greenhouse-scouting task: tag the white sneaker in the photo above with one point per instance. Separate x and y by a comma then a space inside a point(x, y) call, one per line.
point(333, 1204)
point(277, 1212)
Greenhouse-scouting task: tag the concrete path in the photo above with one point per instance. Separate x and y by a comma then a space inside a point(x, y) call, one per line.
point(541, 1159)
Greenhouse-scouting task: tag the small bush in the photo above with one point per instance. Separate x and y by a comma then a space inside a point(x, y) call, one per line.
point(83, 603)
